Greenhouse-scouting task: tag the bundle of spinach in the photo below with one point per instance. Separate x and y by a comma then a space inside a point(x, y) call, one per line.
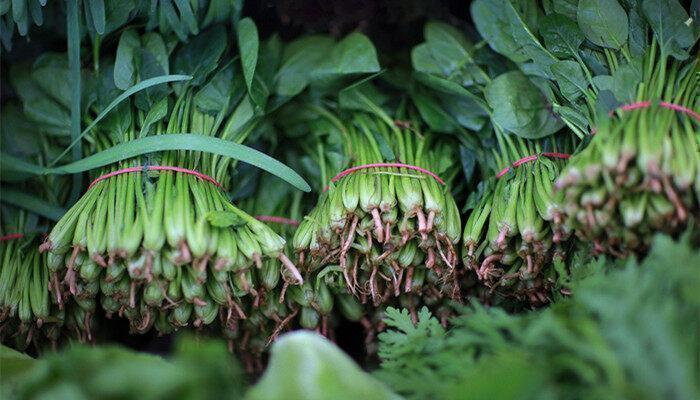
point(512, 233)
point(627, 332)
point(627, 72)
point(169, 250)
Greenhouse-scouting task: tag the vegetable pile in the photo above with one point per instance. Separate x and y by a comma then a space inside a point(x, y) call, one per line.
point(506, 204)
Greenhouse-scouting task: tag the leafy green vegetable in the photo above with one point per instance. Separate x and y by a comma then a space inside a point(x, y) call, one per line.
point(604, 22)
point(307, 366)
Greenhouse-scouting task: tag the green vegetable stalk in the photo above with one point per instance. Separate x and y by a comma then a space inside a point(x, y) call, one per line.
point(164, 248)
point(380, 225)
point(512, 234)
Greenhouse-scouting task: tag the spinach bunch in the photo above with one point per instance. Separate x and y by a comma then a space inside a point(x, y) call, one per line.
point(611, 68)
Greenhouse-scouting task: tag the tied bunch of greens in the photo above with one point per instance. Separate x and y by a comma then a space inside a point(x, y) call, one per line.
point(512, 234)
point(628, 331)
point(623, 72)
point(168, 249)
point(390, 231)
point(502, 118)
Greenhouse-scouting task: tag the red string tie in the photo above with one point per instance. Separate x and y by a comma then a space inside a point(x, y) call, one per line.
point(533, 157)
point(11, 236)
point(385, 165)
point(277, 220)
point(646, 104)
point(156, 168)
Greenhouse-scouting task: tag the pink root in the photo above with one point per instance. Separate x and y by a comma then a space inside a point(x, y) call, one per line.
point(291, 268)
point(378, 226)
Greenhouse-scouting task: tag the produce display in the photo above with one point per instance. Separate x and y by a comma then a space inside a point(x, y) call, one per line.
point(426, 200)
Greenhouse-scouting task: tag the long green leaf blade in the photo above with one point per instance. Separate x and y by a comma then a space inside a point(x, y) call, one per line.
point(31, 203)
point(150, 144)
point(143, 85)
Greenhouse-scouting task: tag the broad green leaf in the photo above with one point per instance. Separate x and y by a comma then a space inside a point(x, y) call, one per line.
point(306, 366)
point(508, 33)
point(151, 144)
point(672, 26)
point(153, 43)
point(51, 73)
point(214, 96)
point(127, 59)
point(603, 82)
point(18, 135)
point(200, 56)
point(117, 13)
point(31, 203)
point(604, 22)
point(625, 81)
point(638, 34)
point(299, 59)
point(433, 113)
point(187, 15)
point(248, 44)
point(448, 47)
point(572, 82)
point(520, 107)
point(97, 11)
point(423, 61)
point(561, 35)
point(355, 54)
point(449, 87)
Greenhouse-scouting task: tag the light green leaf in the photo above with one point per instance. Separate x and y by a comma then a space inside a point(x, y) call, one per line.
point(31, 203)
point(224, 219)
point(520, 107)
point(151, 144)
point(127, 59)
point(572, 82)
point(604, 22)
point(672, 26)
point(304, 365)
point(248, 44)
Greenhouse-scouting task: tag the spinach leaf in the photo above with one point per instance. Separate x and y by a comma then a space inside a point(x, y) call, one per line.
point(520, 107)
point(572, 82)
point(200, 56)
point(625, 80)
point(669, 21)
point(561, 35)
point(604, 22)
point(248, 46)
point(508, 34)
point(127, 60)
point(299, 59)
point(355, 54)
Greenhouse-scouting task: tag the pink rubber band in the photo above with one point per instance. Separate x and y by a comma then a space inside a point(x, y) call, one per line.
point(385, 165)
point(277, 220)
point(156, 168)
point(646, 104)
point(11, 236)
point(531, 158)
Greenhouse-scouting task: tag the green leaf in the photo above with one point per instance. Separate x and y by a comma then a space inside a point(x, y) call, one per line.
point(143, 85)
point(572, 82)
point(150, 144)
point(214, 96)
point(224, 219)
point(97, 10)
point(248, 44)
point(604, 22)
point(155, 114)
point(153, 43)
point(561, 35)
point(355, 54)
point(625, 80)
point(507, 32)
point(671, 25)
point(305, 365)
point(520, 107)
point(299, 59)
point(423, 61)
point(448, 47)
point(200, 56)
point(31, 203)
point(127, 59)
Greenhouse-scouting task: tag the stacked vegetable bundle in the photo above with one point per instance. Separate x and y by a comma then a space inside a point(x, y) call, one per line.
point(169, 250)
point(512, 234)
point(512, 237)
point(623, 72)
point(387, 226)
